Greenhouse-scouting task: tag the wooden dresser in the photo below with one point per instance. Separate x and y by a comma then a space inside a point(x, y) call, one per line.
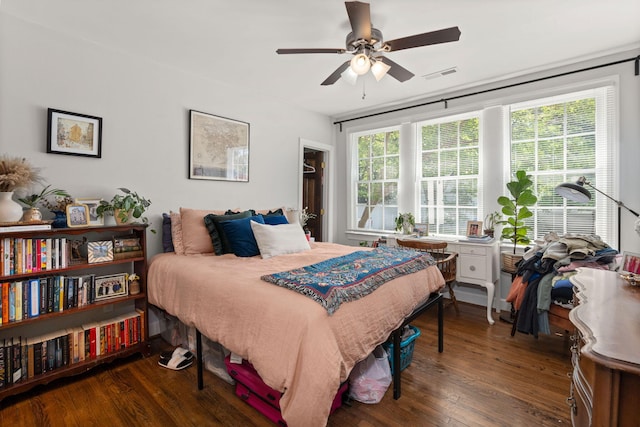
point(605, 386)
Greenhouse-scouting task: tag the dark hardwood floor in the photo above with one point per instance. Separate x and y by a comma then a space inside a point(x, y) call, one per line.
point(485, 377)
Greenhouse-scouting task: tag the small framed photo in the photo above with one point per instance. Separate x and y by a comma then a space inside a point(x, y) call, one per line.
point(111, 286)
point(100, 251)
point(630, 263)
point(74, 134)
point(421, 229)
point(92, 205)
point(474, 228)
point(77, 215)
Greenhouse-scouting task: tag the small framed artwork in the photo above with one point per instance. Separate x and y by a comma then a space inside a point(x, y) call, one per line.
point(421, 229)
point(474, 228)
point(630, 263)
point(218, 148)
point(92, 206)
point(100, 251)
point(111, 286)
point(74, 134)
point(77, 215)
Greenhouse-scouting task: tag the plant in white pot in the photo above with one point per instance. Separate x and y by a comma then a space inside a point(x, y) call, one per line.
point(516, 210)
point(405, 222)
point(126, 207)
point(15, 174)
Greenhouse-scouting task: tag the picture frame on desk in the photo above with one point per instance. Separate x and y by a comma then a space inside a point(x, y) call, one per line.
point(474, 228)
point(111, 286)
point(77, 215)
point(100, 251)
point(630, 263)
point(421, 229)
point(74, 134)
point(92, 204)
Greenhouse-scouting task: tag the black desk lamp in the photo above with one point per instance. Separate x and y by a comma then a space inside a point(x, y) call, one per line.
point(578, 193)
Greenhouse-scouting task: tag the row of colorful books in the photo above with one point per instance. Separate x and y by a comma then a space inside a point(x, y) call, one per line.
point(23, 358)
point(25, 299)
point(31, 255)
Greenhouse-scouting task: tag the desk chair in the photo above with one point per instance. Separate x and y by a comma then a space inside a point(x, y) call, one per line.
point(446, 261)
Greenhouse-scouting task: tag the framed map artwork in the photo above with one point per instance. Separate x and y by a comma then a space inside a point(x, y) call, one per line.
point(218, 148)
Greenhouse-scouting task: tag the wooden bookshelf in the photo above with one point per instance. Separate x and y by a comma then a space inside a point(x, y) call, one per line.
point(121, 343)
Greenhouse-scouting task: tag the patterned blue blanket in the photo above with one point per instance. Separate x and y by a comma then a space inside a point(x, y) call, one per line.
point(351, 276)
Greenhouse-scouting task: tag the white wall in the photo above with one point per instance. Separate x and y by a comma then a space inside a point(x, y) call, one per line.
point(145, 110)
point(628, 133)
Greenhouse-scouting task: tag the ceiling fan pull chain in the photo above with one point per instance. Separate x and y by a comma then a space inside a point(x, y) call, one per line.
point(363, 90)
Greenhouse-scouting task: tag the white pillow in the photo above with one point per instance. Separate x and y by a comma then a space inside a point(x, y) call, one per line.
point(279, 239)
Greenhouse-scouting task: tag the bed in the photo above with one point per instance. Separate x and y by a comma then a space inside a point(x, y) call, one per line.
point(293, 342)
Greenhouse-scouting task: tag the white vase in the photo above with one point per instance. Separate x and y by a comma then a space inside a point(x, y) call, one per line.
point(10, 210)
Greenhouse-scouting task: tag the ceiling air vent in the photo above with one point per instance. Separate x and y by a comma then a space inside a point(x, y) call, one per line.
point(440, 73)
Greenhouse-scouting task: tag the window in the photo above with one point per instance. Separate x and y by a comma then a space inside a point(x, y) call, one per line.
point(378, 171)
point(558, 140)
point(449, 153)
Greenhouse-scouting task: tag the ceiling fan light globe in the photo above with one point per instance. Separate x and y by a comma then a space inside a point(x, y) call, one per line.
point(360, 64)
point(349, 76)
point(379, 69)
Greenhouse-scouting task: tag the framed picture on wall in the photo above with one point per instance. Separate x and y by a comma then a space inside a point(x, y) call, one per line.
point(218, 148)
point(74, 134)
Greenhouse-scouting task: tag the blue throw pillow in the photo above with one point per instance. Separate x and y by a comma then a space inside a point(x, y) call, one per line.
point(275, 219)
point(240, 235)
point(167, 240)
point(218, 237)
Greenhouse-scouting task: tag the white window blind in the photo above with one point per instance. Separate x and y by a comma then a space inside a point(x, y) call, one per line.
point(560, 139)
point(449, 162)
point(378, 172)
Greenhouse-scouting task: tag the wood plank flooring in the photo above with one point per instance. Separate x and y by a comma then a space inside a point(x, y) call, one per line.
point(485, 377)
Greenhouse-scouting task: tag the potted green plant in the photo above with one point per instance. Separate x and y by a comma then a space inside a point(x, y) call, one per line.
point(125, 207)
point(33, 200)
point(405, 222)
point(490, 221)
point(515, 210)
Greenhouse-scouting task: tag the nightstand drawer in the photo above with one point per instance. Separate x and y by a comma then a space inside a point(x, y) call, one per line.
point(472, 267)
point(474, 250)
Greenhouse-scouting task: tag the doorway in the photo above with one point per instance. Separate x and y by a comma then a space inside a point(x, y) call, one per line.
point(315, 185)
point(313, 190)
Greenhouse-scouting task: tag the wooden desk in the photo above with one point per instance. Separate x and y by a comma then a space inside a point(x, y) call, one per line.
point(605, 385)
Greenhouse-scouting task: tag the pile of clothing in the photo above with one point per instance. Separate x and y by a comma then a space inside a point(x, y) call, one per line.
point(543, 275)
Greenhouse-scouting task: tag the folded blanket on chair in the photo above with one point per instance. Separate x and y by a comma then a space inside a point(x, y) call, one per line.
point(349, 277)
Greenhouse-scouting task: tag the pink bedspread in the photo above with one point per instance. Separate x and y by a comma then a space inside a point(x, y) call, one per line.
point(293, 343)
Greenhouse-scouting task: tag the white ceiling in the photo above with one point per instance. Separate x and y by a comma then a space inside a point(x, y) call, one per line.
point(235, 42)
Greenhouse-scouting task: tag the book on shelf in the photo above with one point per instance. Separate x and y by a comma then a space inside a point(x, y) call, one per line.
point(21, 227)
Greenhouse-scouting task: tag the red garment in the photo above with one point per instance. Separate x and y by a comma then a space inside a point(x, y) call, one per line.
point(516, 293)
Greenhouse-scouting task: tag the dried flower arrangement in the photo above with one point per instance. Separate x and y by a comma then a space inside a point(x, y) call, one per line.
point(58, 203)
point(306, 216)
point(17, 174)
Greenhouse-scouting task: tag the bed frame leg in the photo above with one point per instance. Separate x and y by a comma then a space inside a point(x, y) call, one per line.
point(396, 363)
point(199, 359)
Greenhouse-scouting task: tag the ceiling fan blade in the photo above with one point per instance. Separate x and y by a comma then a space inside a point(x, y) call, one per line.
point(311, 50)
point(335, 75)
point(360, 19)
point(396, 71)
point(434, 37)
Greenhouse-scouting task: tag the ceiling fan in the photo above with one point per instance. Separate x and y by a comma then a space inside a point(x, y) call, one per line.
point(366, 45)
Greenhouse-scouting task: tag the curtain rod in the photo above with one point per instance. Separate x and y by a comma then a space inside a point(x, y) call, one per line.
point(480, 92)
